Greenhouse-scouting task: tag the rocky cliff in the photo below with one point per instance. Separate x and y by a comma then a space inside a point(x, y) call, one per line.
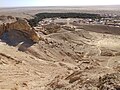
point(22, 26)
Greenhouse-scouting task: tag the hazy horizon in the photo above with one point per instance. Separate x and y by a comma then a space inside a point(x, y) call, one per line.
point(45, 3)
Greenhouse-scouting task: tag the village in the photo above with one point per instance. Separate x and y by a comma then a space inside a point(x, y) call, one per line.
point(106, 20)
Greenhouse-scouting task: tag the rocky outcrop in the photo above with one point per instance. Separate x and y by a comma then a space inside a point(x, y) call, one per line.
point(110, 82)
point(2, 29)
point(50, 28)
point(22, 26)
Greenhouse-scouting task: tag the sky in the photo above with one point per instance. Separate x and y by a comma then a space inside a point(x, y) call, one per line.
point(20, 3)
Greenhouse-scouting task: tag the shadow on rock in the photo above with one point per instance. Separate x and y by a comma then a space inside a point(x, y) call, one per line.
point(18, 39)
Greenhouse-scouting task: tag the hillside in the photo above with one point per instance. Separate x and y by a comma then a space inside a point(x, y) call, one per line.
point(63, 60)
point(58, 57)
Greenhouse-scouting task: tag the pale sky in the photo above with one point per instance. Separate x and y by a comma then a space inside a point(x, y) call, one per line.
point(18, 3)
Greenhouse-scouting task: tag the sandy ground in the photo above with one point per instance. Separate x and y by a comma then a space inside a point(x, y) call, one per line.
point(51, 64)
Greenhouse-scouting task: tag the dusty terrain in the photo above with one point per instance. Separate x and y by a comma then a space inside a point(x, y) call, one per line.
point(29, 12)
point(87, 58)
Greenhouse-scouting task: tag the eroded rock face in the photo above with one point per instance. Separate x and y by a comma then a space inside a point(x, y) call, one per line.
point(15, 37)
point(2, 29)
point(22, 26)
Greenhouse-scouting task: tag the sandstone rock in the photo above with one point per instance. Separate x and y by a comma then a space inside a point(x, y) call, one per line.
point(20, 25)
point(109, 82)
point(2, 29)
point(68, 28)
point(51, 28)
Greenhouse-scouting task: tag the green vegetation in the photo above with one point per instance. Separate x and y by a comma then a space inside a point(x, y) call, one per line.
point(38, 17)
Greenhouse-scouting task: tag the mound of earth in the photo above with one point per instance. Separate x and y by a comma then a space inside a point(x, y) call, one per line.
point(51, 28)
